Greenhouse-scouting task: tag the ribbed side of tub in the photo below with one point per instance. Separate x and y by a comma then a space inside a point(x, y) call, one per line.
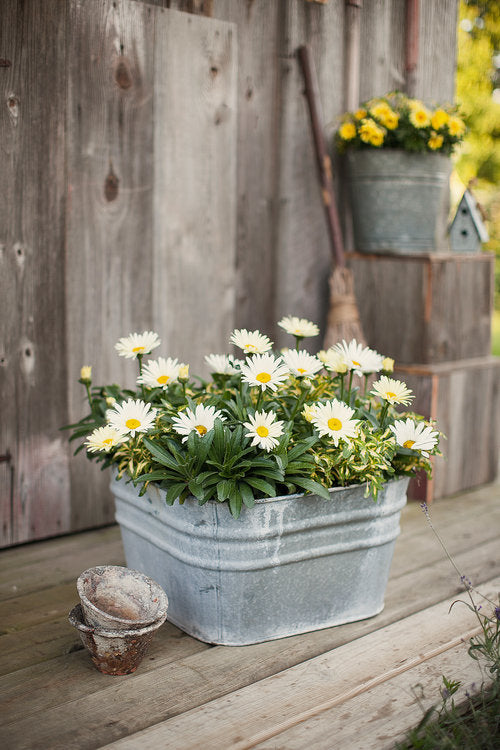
point(290, 565)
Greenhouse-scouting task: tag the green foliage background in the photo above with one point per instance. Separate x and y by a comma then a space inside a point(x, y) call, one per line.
point(477, 161)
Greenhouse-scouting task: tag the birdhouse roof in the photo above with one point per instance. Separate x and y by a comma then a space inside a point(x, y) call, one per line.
point(470, 202)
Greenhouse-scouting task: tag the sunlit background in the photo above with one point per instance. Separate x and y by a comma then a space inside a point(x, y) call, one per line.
point(477, 162)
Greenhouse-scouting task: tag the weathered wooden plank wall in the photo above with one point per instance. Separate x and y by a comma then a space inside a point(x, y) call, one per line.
point(120, 215)
point(194, 217)
point(283, 255)
point(109, 215)
point(33, 368)
point(160, 174)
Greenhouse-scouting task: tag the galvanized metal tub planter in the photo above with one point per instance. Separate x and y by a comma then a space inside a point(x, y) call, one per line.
point(289, 565)
point(399, 200)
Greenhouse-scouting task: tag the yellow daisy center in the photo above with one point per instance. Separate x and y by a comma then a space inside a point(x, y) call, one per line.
point(202, 430)
point(107, 441)
point(263, 377)
point(132, 424)
point(301, 370)
point(358, 364)
point(390, 394)
point(334, 424)
point(408, 444)
point(250, 348)
point(138, 349)
point(262, 431)
point(163, 379)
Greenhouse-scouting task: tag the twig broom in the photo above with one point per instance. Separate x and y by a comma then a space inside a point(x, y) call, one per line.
point(343, 316)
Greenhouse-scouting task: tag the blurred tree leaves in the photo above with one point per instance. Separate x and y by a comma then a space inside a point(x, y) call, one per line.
point(478, 93)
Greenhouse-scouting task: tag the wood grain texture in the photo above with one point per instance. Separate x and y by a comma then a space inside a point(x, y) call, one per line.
point(195, 228)
point(464, 398)
point(34, 493)
point(435, 73)
point(78, 714)
point(194, 184)
point(443, 305)
point(53, 697)
point(382, 54)
point(328, 681)
point(303, 254)
point(382, 715)
point(109, 219)
point(257, 27)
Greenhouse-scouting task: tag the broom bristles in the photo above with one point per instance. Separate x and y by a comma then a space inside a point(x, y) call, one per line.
point(343, 315)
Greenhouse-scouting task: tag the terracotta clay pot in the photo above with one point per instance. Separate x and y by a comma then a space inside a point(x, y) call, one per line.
point(114, 652)
point(118, 598)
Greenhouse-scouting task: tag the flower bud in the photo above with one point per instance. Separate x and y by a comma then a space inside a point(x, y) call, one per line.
point(388, 364)
point(308, 412)
point(183, 372)
point(86, 374)
point(110, 401)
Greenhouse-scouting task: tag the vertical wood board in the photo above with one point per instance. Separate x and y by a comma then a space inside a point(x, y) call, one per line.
point(109, 221)
point(303, 253)
point(382, 47)
point(435, 74)
point(464, 399)
point(259, 96)
point(194, 215)
point(425, 308)
point(32, 349)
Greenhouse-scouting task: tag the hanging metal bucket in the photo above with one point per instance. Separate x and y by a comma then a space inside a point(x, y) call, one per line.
point(399, 200)
point(289, 565)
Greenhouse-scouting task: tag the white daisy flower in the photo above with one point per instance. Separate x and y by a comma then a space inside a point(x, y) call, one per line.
point(252, 342)
point(131, 417)
point(393, 391)
point(265, 371)
point(103, 439)
point(334, 360)
point(359, 358)
point(299, 327)
point(137, 343)
point(415, 435)
point(222, 364)
point(334, 419)
point(202, 419)
point(302, 364)
point(159, 373)
point(265, 429)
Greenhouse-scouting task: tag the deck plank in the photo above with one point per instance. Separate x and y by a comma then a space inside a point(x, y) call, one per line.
point(57, 701)
point(42, 565)
point(56, 640)
point(53, 697)
point(316, 685)
point(380, 716)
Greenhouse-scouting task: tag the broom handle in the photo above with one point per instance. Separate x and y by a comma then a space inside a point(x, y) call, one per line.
point(322, 158)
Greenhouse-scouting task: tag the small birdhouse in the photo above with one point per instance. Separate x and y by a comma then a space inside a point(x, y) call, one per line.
point(467, 230)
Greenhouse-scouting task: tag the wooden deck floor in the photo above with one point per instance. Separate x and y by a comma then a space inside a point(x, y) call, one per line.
point(350, 686)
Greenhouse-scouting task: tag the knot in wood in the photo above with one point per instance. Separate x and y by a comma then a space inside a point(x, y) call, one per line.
point(111, 184)
point(123, 76)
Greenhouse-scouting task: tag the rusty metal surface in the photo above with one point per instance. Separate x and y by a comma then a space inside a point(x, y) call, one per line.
point(114, 652)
